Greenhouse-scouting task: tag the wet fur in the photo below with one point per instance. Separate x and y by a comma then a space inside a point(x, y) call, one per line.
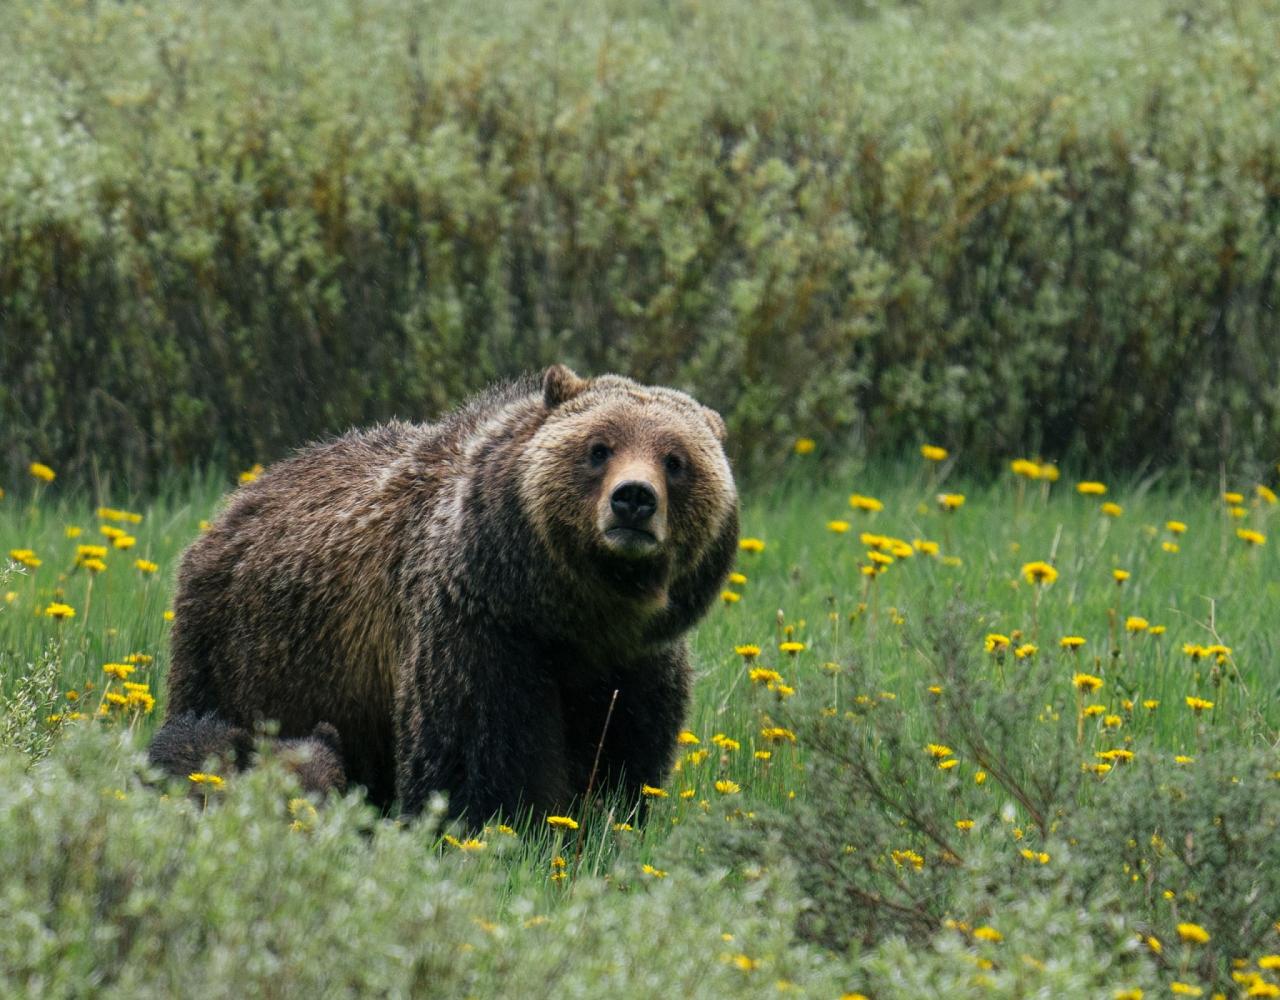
point(440, 595)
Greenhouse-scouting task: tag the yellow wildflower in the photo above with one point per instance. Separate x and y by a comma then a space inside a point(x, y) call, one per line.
point(42, 472)
point(209, 780)
point(94, 565)
point(1025, 650)
point(804, 446)
point(1091, 489)
point(1233, 498)
point(1171, 547)
point(996, 643)
point(1183, 759)
point(1120, 575)
point(1251, 536)
point(748, 651)
point(726, 787)
point(839, 527)
point(1198, 704)
point(751, 545)
point(870, 504)
point(791, 647)
point(71, 531)
point(1136, 623)
point(145, 566)
point(933, 452)
point(950, 501)
point(776, 734)
point(120, 671)
point(1071, 641)
point(987, 934)
point(654, 872)
point(1025, 468)
point(1265, 494)
point(562, 822)
point(1193, 933)
point(925, 547)
point(60, 611)
point(1177, 527)
point(1112, 509)
point(651, 792)
point(1039, 572)
point(687, 739)
point(1185, 989)
point(1087, 682)
point(729, 597)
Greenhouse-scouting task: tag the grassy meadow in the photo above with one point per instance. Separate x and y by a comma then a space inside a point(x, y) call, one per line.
point(947, 739)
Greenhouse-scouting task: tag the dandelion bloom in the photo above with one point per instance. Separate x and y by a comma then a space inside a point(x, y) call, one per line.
point(93, 565)
point(1071, 641)
point(726, 787)
point(1170, 547)
point(964, 824)
point(1177, 527)
point(120, 671)
point(1025, 650)
point(988, 934)
point(1265, 494)
point(1025, 468)
point(1151, 704)
point(60, 611)
point(1193, 933)
point(1039, 572)
point(1158, 629)
point(562, 822)
point(925, 547)
point(762, 754)
point(1087, 682)
point(650, 870)
point(1133, 994)
point(839, 527)
point(687, 739)
point(1239, 513)
point(72, 531)
point(42, 472)
point(252, 473)
point(751, 545)
point(880, 559)
point(110, 531)
point(950, 501)
point(933, 452)
point(791, 647)
point(1111, 509)
point(201, 778)
point(938, 750)
point(804, 446)
point(1233, 498)
point(762, 675)
point(737, 579)
point(1091, 489)
point(1198, 704)
point(651, 792)
point(1185, 989)
point(747, 651)
point(776, 734)
point(870, 504)
point(996, 643)
point(1136, 623)
point(1251, 536)
point(1195, 650)
point(948, 764)
point(730, 597)
point(1049, 472)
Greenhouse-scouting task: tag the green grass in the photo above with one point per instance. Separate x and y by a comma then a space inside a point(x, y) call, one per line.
point(872, 653)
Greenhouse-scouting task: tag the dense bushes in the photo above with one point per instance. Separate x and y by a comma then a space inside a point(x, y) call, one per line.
point(227, 228)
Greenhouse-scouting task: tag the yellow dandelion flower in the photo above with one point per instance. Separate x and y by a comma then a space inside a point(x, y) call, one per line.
point(145, 565)
point(1087, 682)
point(687, 739)
point(1025, 468)
point(623, 827)
point(762, 754)
point(738, 579)
point(745, 963)
point(654, 872)
point(651, 792)
point(1091, 710)
point(751, 545)
point(1177, 527)
point(980, 777)
point(933, 452)
point(71, 531)
point(726, 787)
point(776, 734)
point(747, 651)
point(925, 547)
point(964, 825)
point(870, 504)
point(1251, 536)
point(1183, 759)
point(1039, 573)
point(1111, 509)
point(986, 933)
point(208, 780)
point(950, 501)
point(791, 647)
point(93, 565)
point(1233, 498)
point(120, 671)
point(1265, 494)
point(880, 559)
point(562, 822)
point(1193, 933)
point(1049, 472)
point(42, 472)
point(729, 597)
point(1198, 704)
point(724, 742)
point(804, 446)
point(763, 675)
point(1238, 513)
point(1151, 704)
point(1132, 994)
point(1269, 962)
point(1090, 488)
point(1025, 650)
point(1071, 641)
point(168, 615)
point(995, 642)
point(948, 764)
point(1136, 623)
point(1171, 547)
point(60, 611)
point(1185, 989)
point(839, 527)
point(938, 750)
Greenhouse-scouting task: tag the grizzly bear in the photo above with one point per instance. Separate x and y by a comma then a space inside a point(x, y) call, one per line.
point(461, 600)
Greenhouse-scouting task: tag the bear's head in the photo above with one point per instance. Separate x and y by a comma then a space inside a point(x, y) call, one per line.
point(629, 484)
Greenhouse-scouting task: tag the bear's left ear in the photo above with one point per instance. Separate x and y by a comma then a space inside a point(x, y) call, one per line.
point(560, 384)
point(717, 423)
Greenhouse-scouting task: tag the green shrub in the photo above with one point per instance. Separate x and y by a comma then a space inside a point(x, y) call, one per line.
point(218, 241)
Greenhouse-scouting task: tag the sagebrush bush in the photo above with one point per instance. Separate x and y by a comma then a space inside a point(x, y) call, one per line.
point(216, 240)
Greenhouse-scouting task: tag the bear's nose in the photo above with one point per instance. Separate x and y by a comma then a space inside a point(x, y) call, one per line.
point(633, 502)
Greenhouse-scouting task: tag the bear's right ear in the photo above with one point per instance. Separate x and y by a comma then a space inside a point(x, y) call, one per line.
point(716, 422)
point(560, 384)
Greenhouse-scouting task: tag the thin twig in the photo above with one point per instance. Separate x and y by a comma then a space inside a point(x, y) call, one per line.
point(591, 782)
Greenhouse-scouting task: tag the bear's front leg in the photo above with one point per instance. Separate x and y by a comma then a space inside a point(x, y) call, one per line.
point(479, 720)
point(640, 740)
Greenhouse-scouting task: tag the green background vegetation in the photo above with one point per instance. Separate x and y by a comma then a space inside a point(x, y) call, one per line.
point(228, 228)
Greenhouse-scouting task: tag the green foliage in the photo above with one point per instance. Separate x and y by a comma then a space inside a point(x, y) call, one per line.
point(217, 240)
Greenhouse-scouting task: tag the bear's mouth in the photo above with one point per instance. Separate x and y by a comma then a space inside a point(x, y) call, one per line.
point(631, 541)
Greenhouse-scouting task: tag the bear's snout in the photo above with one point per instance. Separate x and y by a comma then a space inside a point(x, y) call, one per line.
point(633, 503)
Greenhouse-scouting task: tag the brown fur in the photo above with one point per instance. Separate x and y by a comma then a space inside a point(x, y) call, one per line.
point(458, 600)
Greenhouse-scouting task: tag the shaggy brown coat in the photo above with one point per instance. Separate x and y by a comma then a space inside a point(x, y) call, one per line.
point(459, 600)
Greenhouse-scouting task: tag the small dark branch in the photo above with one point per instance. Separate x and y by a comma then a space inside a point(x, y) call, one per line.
point(591, 781)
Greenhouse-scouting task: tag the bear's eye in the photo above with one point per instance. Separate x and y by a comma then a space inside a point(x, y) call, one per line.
point(598, 455)
point(674, 465)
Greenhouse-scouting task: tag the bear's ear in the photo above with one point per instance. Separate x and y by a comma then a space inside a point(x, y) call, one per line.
point(717, 423)
point(560, 384)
